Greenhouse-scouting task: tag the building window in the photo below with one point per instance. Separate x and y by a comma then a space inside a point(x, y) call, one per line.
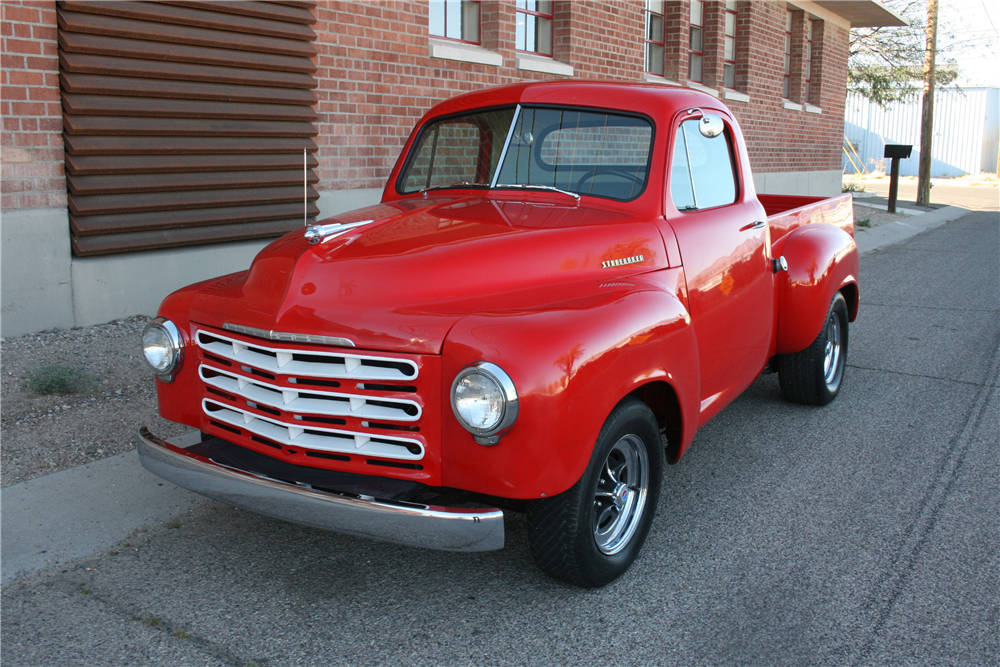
point(729, 48)
point(455, 19)
point(807, 56)
point(787, 86)
point(696, 52)
point(654, 36)
point(534, 26)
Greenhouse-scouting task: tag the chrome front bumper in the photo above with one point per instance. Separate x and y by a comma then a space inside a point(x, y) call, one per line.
point(413, 524)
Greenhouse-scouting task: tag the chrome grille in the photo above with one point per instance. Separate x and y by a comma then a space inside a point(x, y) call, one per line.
point(305, 399)
point(314, 437)
point(310, 401)
point(307, 363)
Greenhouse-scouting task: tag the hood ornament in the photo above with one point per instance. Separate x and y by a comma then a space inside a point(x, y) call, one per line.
point(323, 233)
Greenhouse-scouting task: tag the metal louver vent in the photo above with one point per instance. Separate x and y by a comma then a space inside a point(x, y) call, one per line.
point(185, 122)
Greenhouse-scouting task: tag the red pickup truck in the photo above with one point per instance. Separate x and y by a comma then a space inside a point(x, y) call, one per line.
point(563, 282)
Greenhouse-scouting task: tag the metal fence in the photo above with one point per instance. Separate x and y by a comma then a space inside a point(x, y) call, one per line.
point(966, 132)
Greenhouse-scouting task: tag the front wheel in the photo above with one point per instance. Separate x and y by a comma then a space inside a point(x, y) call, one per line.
point(589, 535)
point(813, 376)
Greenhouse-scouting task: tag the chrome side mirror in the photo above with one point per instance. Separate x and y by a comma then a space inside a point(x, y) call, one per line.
point(711, 125)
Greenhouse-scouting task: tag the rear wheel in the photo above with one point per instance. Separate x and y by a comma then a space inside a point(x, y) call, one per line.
point(814, 375)
point(591, 534)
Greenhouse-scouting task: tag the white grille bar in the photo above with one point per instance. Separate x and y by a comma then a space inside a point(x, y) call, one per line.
point(309, 401)
point(307, 363)
point(317, 438)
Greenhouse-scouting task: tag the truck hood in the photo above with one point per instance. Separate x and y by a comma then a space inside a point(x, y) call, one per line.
point(401, 282)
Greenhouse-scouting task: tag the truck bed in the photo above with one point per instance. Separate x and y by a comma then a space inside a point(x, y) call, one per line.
point(787, 212)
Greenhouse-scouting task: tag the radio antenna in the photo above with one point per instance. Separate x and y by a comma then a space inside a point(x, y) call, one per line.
point(305, 189)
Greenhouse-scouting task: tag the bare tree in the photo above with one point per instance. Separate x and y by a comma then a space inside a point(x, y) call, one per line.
point(886, 63)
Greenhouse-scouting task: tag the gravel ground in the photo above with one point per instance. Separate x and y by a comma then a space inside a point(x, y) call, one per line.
point(45, 434)
point(874, 216)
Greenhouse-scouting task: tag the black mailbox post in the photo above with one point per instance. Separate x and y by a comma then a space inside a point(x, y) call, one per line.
point(896, 152)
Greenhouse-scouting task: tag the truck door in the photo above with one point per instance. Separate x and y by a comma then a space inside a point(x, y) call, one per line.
point(723, 243)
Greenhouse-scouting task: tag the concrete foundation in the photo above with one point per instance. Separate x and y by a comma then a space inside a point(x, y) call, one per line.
point(36, 287)
point(810, 183)
point(45, 287)
point(332, 202)
point(114, 286)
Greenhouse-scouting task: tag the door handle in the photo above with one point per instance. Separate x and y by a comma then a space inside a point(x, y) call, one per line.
point(755, 225)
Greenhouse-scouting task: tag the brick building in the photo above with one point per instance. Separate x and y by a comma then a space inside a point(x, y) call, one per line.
point(146, 145)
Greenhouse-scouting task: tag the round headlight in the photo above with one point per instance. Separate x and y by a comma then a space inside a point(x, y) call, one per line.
point(484, 399)
point(479, 401)
point(162, 346)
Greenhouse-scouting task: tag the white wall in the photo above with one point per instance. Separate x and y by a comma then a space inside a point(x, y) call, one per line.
point(966, 130)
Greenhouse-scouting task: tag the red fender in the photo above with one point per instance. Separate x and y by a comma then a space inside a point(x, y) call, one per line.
point(571, 364)
point(175, 398)
point(822, 260)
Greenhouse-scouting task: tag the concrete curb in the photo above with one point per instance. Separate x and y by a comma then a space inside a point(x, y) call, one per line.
point(894, 232)
point(74, 513)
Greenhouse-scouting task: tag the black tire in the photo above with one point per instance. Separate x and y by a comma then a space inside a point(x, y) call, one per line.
point(814, 375)
point(567, 540)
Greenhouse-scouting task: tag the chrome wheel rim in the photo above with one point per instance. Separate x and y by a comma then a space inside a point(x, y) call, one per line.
point(832, 349)
point(621, 494)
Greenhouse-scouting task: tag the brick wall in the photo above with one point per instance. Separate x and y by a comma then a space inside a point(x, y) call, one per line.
point(676, 20)
point(31, 140)
point(780, 139)
point(714, 23)
point(376, 78)
point(605, 39)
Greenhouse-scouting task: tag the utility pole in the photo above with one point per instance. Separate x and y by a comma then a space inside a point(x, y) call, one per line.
point(927, 117)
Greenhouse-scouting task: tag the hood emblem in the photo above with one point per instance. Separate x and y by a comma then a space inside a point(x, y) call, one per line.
point(323, 233)
point(610, 264)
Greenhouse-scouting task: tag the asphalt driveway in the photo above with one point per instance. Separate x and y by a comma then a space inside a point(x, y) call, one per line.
point(944, 192)
point(862, 533)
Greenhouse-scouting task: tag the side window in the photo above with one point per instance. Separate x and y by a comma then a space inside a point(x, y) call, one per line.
point(681, 188)
point(702, 175)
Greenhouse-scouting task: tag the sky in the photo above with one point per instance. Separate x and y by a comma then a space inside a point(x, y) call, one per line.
point(969, 32)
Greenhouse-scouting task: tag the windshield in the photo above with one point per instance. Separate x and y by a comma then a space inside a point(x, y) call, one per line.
point(585, 152)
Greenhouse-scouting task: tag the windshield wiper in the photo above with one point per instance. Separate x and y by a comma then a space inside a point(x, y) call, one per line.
point(463, 184)
point(537, 187)
point(529, 186)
